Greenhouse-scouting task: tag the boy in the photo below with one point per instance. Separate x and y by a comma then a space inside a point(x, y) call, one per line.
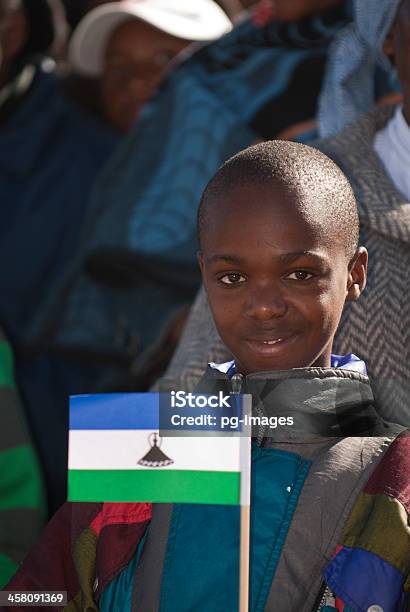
point(278, 233)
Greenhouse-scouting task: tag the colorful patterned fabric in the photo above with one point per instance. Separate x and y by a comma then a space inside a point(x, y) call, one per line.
point(82, 549)
point(372, 565)
point(205, 538)
point(377, 326)
point(86, 546)
point(22, 500)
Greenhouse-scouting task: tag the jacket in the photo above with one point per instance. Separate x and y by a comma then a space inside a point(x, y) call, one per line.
point(50, 155)
point(313, 509)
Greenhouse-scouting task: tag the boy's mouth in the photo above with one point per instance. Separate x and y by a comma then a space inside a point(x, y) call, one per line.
point(270, 346)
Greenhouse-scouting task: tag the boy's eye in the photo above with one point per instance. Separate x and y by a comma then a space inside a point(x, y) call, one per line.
point(300, 275)
point(233, 278)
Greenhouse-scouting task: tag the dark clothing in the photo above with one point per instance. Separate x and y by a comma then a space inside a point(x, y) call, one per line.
point(50, 155)
point(22, 499)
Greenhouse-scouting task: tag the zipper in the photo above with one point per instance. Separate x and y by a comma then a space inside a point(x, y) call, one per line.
point(320, 599)
point(324, 599)
point(236, 383)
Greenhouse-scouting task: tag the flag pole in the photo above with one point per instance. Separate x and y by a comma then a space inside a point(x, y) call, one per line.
point(244, 560)
point(245, 494)
point(244, 547)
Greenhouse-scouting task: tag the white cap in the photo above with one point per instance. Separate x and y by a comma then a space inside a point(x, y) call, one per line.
point(193, 20)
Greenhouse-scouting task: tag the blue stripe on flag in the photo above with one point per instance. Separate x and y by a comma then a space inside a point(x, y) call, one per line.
point(115, 411)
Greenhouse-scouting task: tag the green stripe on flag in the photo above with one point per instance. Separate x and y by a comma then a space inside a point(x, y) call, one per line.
point(6, 365)
point(159, 486)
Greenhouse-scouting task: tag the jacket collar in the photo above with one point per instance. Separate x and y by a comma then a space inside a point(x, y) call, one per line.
point(346, 362)
point(320, 402)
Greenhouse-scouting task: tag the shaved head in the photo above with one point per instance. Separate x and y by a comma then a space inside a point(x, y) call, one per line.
point(313, 184)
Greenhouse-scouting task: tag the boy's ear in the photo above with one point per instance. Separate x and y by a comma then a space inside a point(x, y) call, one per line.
point(356, 281)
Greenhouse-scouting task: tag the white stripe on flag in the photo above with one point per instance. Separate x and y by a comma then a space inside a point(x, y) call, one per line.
point(122, 449)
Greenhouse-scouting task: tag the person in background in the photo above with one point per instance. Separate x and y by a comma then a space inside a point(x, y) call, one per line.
point(27, 30)
point(373, 149)
point(50, 154)
point(129, 46)
point(22, 494)
point(46, 188)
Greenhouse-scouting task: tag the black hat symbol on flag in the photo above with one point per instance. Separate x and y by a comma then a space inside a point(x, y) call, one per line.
point(155, 457)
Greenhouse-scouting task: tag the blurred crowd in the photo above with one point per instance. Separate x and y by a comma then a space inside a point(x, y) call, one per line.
point(113, 118)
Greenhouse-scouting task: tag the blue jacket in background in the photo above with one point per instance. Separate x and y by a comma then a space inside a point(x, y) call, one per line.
point(50, 154)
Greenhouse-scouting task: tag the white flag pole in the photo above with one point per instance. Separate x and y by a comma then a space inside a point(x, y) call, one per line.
point(245, 453)
point(244, 560)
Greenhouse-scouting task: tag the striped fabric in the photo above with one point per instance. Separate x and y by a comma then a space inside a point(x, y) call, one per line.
point(377, 326)
point(22, 501)
point(355, 54)
point(372, 564)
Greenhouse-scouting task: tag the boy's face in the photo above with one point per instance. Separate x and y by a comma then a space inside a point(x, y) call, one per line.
point(275, 284)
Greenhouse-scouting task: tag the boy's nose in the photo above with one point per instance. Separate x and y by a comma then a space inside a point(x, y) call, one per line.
point(265, 304)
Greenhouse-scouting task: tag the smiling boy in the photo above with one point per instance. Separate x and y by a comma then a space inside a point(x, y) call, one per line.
point(279, 254)
point(278, 230)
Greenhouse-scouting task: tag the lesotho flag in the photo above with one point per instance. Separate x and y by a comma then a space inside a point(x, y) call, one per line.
point(117, 452)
